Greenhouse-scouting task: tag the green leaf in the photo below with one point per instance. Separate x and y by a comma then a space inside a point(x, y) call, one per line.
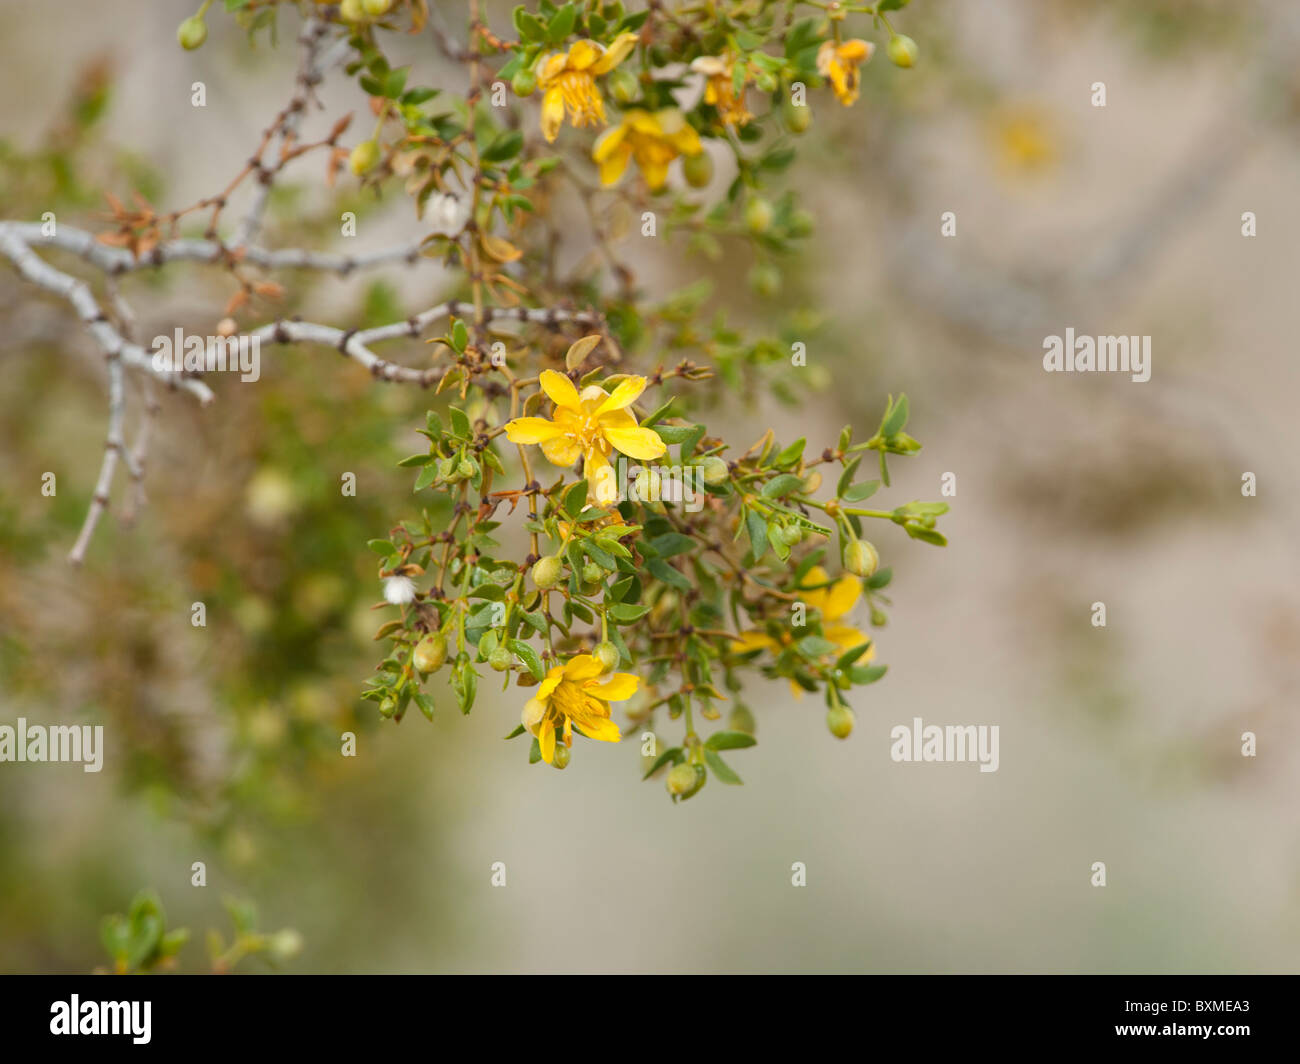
point(575, 498)
point(673, 754)
point(757, 529)
point(671, 544)
point(427, 476)
point(506, 146)
point(791, 454)
point(381, 546)
point(781, 486)
point(729, 740)
point(895, 418)
point(626, 612)
point(858, 492)
point(529, 657)
point(561, 24)
point(862, 674)
point(721, 769)
point(846, 478)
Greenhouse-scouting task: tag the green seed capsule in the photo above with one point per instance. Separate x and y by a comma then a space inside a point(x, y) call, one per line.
point(607, 654)
point(501, 659)
point(524, 83)
point(758, 215)
point(561, 757)
point(902, 51)
point(698, 169)
point(548, 571)
point(797, 117)
point(364, 157)
point(192, 33)
point(430, 653)
point(714, 470)
point(860, 558)
point(839, 719)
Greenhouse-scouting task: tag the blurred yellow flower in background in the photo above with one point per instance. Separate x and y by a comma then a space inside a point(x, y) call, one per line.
point(720, 88)
point(654, 140)
point(839, 64)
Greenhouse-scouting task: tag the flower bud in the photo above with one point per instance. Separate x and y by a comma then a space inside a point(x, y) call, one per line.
point(878, 617)
point(648, 485)
point(352, 11)
point(797, 117)
point(561, 757)
point(792, 534)
point(364, 157)
point(714, 470)
point(839, 719)
point(192, 33)
point(524, 83)
point(802, 221)
point(430, 653)
point(698, 169)
point(758, 215)
point(466, 468)
point(902, 51)
point(765, 279)
point(375, 8)
point(548, 571)
point(623, 85)
point(742, 720)
point(501, 659)
point(607, 654)
point(860, 558)
point(686, 780)
point(592, 573)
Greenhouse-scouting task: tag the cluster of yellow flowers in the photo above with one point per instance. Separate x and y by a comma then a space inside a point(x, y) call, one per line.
point(654, 139)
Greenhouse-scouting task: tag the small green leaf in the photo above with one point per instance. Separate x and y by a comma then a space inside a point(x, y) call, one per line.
point(729, 740)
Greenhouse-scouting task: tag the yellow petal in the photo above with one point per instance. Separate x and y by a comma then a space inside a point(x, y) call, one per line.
point(856, 50)
point(552, 113)
point(584, 54)
point(582, 667)
point(547, 687)
point(617, 688)
point(847, 637)
point(616, 53)
point(563, 451)
point(842, 596)
point(531, 430)
point(546, 740)
point(550, 68)
point(636, 443)
point(655, 174)
point(602, 484)
point(560, 390)
point(754, 640)
point(534, 711)
point(607, 142)
point(627, 393)
point(612, 166)
point(603, 729)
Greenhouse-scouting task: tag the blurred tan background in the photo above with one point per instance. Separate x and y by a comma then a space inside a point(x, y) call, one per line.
point(1119, 744)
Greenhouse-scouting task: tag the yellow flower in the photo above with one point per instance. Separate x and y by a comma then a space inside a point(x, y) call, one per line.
point(568, 82)
point(720, 87)
point(653, 140)
point(590, 426)
point(839, 63)
point(832, 603)
point(576, 694)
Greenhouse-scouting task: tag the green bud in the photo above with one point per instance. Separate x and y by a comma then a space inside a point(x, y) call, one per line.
point(561, 757)
point(648, 485)
point(623, 84)
point(742, 720)
point(192, 33)
point(430, 653)
point(592, 573)
point(524, 82)
point(802, 222)
point(902, 51)
point(758, 215)
point(797, 117)
point(792, 534)
point(352, 11)
point(375, 8)
point(860, 558)
point(466, 468)
point(839, 719)
point(765, 279)
point(608, 656)
point(685, 780)
point(714, 470)
point(698, 169)
point(501, 659)
point(766, 81)
point(364, 157)
point(878, 617)
point(548, 571)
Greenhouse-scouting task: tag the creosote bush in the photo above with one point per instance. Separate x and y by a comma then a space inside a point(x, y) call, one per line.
point(579, 532)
